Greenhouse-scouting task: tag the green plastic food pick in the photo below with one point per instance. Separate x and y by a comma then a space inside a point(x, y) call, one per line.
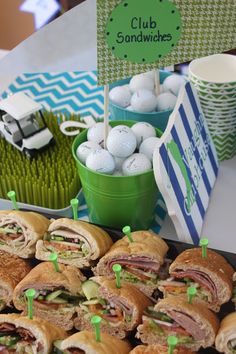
point(74, 204)
point(96, 320)
point(191, 291)
point(172, 342)
point(204, 243)
point(53, 258)
point(12, 195)
point(30, 294)
point(127, 230)
point(117, 270)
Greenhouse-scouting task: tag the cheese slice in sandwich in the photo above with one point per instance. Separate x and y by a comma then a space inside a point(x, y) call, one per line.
point(120, 308)
point(212, 276)
point(12, 270)
point(158, 349)
point(143, 261)
point(226, 337)
point(19, 334)
point(194, 324)
point(85, 343)
point(57, 293)
point(76, 242)
point(20, 230)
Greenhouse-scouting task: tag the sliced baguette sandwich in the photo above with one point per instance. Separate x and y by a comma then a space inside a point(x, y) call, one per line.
point(85, 343)
point(19, 334)
point(194, 324)
point(158, 349)
point(212, 276)
point(57, 293)
point(20, 230)
point(76, 242)
point(143, 261)
point(12, 270)
point(226, 337)
point(120, 308)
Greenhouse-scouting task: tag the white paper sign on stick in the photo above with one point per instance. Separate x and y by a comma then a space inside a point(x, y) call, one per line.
point(186, 166)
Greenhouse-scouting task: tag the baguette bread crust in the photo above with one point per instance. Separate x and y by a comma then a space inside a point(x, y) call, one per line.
point(226, 333)
point(158, 349)
point(43, 276)
point(215, 266)
point(129, 295)
point(206, 319)
point(36, 225)
point(44, 332)
point(98, 240)
point(86, 341)
point(12, 270)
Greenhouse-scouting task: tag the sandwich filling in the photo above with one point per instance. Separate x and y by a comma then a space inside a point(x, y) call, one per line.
point(114, 311)
point(18, 340)
point(175, 323)
point(11, 233)
point(181, 280)
point(232, 346)
point(67, 243)
point(72, 350)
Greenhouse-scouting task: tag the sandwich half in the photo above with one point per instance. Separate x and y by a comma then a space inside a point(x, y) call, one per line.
point(57, 293)
point(226, 337)
point(20, 230)
point(76, 242)
point(12, 270)
point(19, 334)
point(194, 324)
point(85, 343)
point(120, 308)
point(158, 349)
point(143, 261)
point(212, 276)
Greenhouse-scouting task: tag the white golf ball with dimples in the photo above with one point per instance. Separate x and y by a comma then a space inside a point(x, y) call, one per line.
point(101, 161)
point(144, 101)
point(85, 149)
point(143, 131)
point(135, 164)
point(141, 81)
point(121, 141)
point(121, 96)
point(165, 101)
point(96, 133)
point(173, 83)
point(148, 146)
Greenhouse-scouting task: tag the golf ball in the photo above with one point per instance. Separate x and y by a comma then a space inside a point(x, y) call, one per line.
point(121, 96)
point(85, 149)
point(143, 131)
point(135, 164)
point(148, 146)
point(166, 101)
point(144, 101)
point(96, 133)
point(141, 81)
point(173, 83)
point(121, 141)
point(101, 161)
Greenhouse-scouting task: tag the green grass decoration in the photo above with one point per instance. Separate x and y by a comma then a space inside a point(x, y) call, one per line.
point(50, 179)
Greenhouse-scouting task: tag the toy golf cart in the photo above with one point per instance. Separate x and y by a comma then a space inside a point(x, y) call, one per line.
point(22, 124)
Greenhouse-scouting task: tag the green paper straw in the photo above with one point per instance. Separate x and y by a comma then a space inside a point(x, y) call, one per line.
point(191, 291)
point(53, 258)
point(74, 204)
point(117, 270)
point(204, 243)
point(96, 320)
point(12, 196)
point(172, 342)
point(127, 231)
point(30, 294)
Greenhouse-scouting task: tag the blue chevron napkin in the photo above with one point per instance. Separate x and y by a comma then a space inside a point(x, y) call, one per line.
point(72, 92)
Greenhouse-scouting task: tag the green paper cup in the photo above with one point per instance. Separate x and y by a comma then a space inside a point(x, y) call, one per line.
point(225, 145)
point(116, 201)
